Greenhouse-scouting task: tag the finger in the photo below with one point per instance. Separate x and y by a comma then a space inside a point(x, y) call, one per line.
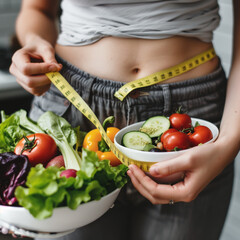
point(24, 62)
point(176, 192)
point(30, 81)
point(38, 91)
point(35, 85)
point(48, 53)
point(37, 68)
point(143, 191)
point(169, 167)
point(25, 56)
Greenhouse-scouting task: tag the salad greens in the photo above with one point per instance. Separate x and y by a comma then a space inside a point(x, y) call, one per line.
point(43, 189)
point(64, 135)
point(46, 190)
point(13, 128)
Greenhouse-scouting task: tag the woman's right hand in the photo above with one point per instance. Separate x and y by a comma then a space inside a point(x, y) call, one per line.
point(30, 63)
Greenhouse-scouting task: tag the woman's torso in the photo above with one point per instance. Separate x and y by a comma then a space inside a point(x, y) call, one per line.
point(128, 58)
point(124, 60)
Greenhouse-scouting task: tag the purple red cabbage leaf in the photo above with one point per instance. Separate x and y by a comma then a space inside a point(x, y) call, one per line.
point(13, 172)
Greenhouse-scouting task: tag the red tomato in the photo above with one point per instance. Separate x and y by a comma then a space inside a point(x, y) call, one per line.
point(176, 141)
point(41, 148)
point(167, 132)
point(180, 121)
point(201, 134)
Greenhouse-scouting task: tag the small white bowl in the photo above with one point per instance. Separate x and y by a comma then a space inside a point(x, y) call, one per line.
point(156, 156)
point(63, 219)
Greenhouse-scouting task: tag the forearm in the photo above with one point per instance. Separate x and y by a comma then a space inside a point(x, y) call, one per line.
point(230, 125)
point(34, 22)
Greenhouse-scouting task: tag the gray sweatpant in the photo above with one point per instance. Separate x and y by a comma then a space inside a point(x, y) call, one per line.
point(134, 217)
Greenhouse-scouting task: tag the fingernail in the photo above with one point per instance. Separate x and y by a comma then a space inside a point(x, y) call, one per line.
point(130, 167)
point(58, 66)
point(52, 68)
point(154, 170)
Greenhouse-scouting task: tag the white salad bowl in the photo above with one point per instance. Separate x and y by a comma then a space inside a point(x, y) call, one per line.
point(156, 156)
point(63, 219)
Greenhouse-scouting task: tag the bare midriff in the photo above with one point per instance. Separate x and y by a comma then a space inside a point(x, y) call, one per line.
point(125, 59)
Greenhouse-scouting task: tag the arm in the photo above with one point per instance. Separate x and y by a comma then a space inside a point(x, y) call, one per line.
point(203, 163)
point(37, 32)
point(231, 116)
point(37, 19)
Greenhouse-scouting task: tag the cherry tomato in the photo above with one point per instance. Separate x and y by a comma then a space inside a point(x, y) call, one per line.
point(180, 121)
point(201, 134)
point(38, 147)
point(176, 141)
point(166, 133)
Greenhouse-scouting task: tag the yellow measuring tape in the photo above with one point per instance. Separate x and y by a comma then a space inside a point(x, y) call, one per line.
point(66, 89)
point(165, 74)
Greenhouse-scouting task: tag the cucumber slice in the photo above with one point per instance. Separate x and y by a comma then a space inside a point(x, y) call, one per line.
point(155, 126)
point(136, 140)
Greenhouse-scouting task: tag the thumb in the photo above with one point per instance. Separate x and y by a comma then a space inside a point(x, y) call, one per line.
point(168, 167)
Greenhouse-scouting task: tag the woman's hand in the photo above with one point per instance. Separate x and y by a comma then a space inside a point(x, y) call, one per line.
point(200, 164)
point(30, 63)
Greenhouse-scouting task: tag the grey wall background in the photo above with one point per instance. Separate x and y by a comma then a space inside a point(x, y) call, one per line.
point(223, 35)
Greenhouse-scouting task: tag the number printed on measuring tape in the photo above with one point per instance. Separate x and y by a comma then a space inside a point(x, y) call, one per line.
point(66, 89)
point(165, 74)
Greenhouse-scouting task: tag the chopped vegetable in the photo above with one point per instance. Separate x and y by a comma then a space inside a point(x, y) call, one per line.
point(179, 134)
point(155, 126)
point(136, 140)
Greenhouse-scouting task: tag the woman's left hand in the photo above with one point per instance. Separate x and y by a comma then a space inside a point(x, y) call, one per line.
point(200, 165)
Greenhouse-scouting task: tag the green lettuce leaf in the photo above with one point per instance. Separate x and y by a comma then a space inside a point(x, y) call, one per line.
point(11, 132)
point(46, 190)
point(13, 128)
point(108, 176)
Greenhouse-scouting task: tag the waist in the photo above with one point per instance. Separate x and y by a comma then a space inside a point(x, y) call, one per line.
point(125, 60)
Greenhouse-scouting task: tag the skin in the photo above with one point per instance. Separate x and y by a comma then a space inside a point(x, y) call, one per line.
point(201, 164)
